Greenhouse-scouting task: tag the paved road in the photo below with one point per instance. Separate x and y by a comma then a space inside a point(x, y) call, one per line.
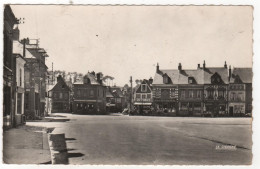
point(115, 139)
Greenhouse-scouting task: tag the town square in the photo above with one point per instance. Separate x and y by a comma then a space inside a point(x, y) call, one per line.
point(138, 86)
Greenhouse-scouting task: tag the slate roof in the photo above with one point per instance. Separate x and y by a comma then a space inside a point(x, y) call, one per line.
point(92, 79)
point(245, 74)
point(199, 75)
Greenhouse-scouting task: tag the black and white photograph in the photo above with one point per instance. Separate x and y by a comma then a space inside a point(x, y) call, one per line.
point(127, 84)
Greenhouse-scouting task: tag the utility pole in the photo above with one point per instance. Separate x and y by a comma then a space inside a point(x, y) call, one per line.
point(131, 82)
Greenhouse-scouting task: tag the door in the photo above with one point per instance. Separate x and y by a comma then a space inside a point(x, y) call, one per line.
point(231, 109)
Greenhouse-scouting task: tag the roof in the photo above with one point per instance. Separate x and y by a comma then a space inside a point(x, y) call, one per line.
point(61, 84)
point(18, 49)
point(92, 78)
point(245, 75)
point(200, 75)
point(116, 91)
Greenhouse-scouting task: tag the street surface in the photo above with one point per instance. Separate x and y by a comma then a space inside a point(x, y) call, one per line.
point(140, 140)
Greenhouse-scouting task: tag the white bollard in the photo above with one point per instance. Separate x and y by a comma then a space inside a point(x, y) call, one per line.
point(58, 148)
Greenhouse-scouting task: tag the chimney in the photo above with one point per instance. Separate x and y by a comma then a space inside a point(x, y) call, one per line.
point(225, 65)
point(157, 68)
point(99, 78)
point(198, 66)
point(179, 67)
point(150, 80)
point(229, 72)
point(16, 33)
point(204, 65)
point(93, 73)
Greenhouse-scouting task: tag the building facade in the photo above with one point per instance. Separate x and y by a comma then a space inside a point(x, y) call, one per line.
point(115, 99)
point(35, 80)
point(9, 79)
point(143, 96)
point(240, 92)
point(165, 90)
point(89, 95)
point(61, 97)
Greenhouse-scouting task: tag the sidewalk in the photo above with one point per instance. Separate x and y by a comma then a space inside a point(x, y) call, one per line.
point(26, 145)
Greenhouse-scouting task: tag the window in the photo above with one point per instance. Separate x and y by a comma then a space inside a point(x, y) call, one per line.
point(143, 96)
point(98, 92)
point(55, 95)
point(91, 93)
point(61, 95)
point(20, 80)
point(182, 93)
point(78, 93)
point(221, 93)
point(138, 96)
point(66, 95)
point(143, 88)
point(149, 96)
point(190, 93)
point(210, 94)
point(165, 79)
point(26, 100)
point(198, 93)
point(19, 103)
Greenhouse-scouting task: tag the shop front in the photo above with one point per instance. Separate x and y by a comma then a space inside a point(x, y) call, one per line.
point(215, 109)
point(236, 109)
point(190, 108)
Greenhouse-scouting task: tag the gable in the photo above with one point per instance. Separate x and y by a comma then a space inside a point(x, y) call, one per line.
point(60, 86)
point(148, 88)
point(216, 79)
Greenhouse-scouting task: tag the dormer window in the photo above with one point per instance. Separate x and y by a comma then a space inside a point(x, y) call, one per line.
point(190, 80)
point(165, 79)
point(143, 88)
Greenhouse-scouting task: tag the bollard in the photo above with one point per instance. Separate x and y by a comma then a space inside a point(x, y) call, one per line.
point(58, 148)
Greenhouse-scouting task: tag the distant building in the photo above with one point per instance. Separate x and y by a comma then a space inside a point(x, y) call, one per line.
point(115, 100)
point(89, 95)
point(240, 92)
point(143, 95)
point(61, 97)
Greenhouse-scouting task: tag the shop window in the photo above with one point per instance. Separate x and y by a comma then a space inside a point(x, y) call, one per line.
point(184, 106)
point(91, 106)
point(197, 106)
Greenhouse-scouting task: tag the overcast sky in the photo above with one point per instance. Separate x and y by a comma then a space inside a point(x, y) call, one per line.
point(121, 41)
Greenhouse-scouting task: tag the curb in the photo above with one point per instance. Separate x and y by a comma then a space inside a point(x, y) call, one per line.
point(58, 148)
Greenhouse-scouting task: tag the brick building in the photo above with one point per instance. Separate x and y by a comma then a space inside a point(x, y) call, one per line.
point(89, 95)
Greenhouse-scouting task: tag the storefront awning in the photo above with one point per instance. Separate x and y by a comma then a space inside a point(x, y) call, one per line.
point(145, 104)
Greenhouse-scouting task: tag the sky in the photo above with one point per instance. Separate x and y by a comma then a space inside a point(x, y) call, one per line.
point(124, 41)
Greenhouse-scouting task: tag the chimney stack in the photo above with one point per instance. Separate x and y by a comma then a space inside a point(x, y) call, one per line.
point(157, 68)
point(99, 78)
point(150, 80)
point(179, 67)
point(198, 66)
point(204, 65)
point(229, 72)
point(16, 33)
point(225, 65)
